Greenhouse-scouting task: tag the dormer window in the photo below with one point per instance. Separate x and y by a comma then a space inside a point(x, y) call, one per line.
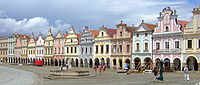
point(120, 33)
point(166, 29)
point(102, 33)
point(137, 35)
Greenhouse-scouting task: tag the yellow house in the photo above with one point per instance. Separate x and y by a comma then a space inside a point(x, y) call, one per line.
point(191, 50)
point(31, 48)
point(48, 46)
point(71, 47)
point(102, 47)
point(3, 49)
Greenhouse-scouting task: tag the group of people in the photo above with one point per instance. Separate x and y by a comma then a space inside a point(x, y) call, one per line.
point(186, 73)
point(102, 68)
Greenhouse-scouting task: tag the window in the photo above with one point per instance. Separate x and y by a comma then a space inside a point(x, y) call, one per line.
point(189, 43)
point(199, 43)
point(137, 46)
point(62, 50)
point(107, 48)
point(166, 29)
point(75, 50)
point(120, 48)
point(101, 48)
point(55, 51)
point(176, 44)
point(120, 33)
point(146, 46)
point(115, 48)
point(137, 35)
point(146, 34)
point(166, 45)
point(58, 50)
point(101, 33)
point(86, 50)
point(71, 49)
point(82, 50)
point(71, 40)
point(157, 46)
point(90, 50)
point(128, 48)
point(67, 49)
point(97, 49)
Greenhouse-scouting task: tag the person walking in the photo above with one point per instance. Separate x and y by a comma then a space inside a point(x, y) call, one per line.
point(186, 73)
point(100, 68)
point(155, 72)
point(104, 68)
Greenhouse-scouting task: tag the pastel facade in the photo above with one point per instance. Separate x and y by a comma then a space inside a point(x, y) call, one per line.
point(71, 48)
point(40, 51)
point(59, 41)
point(86, 47)
point(121, 46)
point(24, 46)
point(191, 50)
point(11, 45)
point(18, 48)
point(3, 49)
point(142, 46)
point(31, 47)
point(167, 37)
point(48, 46)
point(102, 47)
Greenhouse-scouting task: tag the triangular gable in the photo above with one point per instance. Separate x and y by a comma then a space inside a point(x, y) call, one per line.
point(142, 27)
point(59, 35)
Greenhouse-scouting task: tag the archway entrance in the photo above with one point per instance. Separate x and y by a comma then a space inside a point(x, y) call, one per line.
point(137, 63)
point(114, 63)
point(56, 62)
point(76, 62)
point(167, 64)
point(148, 63)
point(120, 63)
point(91, 63)
point(192, 63)
point(102, 61)
point(86, 63)
point(108, 63)
point(81, 62)
point(177, 64)
point(127, 61)
point(96, 62)
point(72, 62)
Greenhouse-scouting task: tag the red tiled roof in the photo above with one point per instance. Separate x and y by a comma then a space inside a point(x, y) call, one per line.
point(78, 35)
point(111, 31)
point(150, 26)
point(130, 29)
point(183, 24)
point(94, 32)
point(121, 24)
point(23, 36)
point(65, 35)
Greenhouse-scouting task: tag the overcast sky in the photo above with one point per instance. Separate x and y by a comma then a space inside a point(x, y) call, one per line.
point(27, 16)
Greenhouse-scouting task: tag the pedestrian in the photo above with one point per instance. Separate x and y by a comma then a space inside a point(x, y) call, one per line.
point(100, 68)
point(95, 68)
point(61, 68)
point(186, 73)
point(127, 68)
point(155, 71)
point(104, 68)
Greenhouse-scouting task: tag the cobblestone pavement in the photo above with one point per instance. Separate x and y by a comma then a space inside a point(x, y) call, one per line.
point(11, 76)
point(111, 77)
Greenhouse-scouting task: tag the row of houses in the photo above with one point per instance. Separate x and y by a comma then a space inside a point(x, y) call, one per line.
point(173, 41)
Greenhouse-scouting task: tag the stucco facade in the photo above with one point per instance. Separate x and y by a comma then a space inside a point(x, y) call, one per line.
point(122, 46)
point(86, 47)
point(40, 51)
point(167, 40)
point(71, 48)
point(3, 49)
point(142, 46)
point(191, 50)
point(48, 46)
point(102, 47)
point(31, 47)
point(59, 41)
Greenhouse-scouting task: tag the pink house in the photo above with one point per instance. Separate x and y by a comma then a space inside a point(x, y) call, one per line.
point(167, 39)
